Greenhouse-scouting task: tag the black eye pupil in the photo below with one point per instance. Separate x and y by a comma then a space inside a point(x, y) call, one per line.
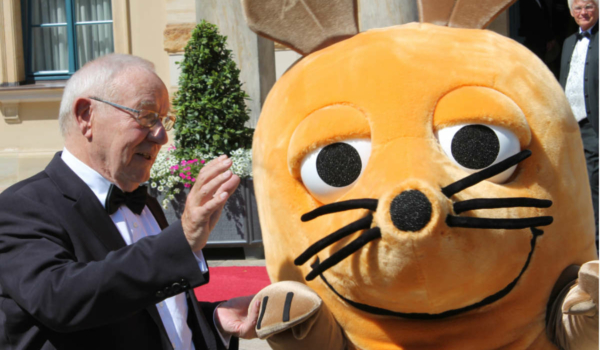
point(339, 164)
point(475, 146)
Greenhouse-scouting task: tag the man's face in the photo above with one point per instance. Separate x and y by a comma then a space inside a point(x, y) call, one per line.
point(585, 13)
point(123, 151)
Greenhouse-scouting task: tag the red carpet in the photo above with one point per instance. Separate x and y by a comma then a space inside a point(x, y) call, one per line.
point(233, 281)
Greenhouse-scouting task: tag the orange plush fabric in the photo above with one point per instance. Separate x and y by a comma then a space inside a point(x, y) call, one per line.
point(397, 87)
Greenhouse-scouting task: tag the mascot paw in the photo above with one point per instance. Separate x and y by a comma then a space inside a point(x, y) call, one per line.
point(286, 305)
point(582, 299)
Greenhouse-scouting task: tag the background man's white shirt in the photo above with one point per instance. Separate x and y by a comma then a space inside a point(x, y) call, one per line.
point(574, 88)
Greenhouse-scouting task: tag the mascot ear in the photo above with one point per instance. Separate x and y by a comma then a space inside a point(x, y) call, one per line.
point(461, 13)
point(304, 26)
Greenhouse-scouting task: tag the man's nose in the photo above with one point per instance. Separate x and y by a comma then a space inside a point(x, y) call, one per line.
point(158, 134)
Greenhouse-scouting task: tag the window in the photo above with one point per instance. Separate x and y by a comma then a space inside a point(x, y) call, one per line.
point(62, 35)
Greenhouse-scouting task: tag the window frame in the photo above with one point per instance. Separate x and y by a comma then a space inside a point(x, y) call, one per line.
point(71, 25)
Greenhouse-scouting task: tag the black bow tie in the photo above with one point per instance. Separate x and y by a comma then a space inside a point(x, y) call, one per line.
point(136, 200)
point(583, 35)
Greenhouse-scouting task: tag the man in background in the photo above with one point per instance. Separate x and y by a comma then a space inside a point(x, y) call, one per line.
point(86, 258)
point(579, 78)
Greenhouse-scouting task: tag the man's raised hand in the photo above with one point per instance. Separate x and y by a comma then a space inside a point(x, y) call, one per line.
point(214, 184)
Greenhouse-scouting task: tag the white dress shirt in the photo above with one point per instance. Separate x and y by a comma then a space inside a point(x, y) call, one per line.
point(574, 88)
point(174, 310)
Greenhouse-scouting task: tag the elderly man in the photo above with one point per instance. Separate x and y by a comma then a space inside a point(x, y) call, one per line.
point(86, 259)
point(579, 78)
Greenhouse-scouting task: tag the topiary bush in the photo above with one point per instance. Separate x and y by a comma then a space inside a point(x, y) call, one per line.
point(210, 103)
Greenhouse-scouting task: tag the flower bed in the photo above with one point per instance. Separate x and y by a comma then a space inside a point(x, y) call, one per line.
point(169, 172)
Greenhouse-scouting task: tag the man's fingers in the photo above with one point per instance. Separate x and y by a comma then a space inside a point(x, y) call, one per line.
point(205, 212)
point(208, 190)
point(248, 328)
point(215, 203)
point(253, 311)
point(238, 317)
point(229, 186)
point(207, 182)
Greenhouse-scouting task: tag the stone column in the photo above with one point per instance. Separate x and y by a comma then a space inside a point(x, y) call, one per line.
point(253, 55)
point(12, 70)
point(121, 26)
point(386, 13)
point(181, 21)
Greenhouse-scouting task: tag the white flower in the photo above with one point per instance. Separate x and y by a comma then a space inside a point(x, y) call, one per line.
point(166, 179)
point(242, 162)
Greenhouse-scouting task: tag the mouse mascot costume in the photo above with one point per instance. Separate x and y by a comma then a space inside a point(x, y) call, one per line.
point(420, 186)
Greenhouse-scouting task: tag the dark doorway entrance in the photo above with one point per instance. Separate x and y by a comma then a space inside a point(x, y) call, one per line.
point(542, 26)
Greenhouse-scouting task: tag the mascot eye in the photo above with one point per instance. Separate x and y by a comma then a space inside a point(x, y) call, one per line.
point(476, 146)
point(329, 171)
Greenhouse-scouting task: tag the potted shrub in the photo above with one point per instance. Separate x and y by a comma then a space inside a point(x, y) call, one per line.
point(210, 103)
point(211, 116)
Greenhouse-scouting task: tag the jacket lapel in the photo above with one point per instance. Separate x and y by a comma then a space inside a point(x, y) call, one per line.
point(157, 212)
point(86, 204)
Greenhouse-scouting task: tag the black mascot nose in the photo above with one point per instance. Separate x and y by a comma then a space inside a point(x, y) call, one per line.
point(410, 210)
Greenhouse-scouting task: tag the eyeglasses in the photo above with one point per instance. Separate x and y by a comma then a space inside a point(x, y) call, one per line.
point(145, 117)
point(587, 8)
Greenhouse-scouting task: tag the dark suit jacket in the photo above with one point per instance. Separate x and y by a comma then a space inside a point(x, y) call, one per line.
point(69, 281)
point(590, 75)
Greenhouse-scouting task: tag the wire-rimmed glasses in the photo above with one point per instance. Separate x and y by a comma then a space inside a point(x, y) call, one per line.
point(145, 117)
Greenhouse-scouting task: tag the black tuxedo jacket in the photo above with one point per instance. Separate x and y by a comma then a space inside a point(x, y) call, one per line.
point(69, 281)
point(590, 83)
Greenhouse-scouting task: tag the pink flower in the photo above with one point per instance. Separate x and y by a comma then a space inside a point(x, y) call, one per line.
point(182, 175)
point(202, 161)
point(183, 162)
point(188, 177)
point(188, 168)
point(188, 174)
point(187, 185)
point(193, 179)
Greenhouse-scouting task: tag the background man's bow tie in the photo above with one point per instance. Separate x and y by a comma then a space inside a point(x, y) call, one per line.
point(136, 200)
point(583, 35)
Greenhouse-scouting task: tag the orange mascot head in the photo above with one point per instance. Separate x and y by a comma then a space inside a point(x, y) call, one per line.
point(427, 181)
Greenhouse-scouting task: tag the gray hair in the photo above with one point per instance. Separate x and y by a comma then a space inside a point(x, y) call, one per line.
point(95, 78)
point(571, 3)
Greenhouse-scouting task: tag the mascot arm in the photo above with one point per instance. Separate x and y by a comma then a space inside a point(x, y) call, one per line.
point(573, 323)
point(293, 317)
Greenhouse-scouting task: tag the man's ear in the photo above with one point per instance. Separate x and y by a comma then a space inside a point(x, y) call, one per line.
point(82, 110)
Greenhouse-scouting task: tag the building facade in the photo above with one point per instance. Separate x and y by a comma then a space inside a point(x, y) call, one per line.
point(42, 42)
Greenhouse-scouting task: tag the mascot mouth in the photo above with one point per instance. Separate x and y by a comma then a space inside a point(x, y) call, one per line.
point(452, 221)
point(424, 316)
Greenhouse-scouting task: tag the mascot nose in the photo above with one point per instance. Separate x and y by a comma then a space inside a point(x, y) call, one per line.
point(410, 210)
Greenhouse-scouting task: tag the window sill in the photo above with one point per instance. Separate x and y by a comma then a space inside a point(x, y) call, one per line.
point(42, 91)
